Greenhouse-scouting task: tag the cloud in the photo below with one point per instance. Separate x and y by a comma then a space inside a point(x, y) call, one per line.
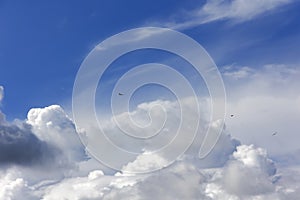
point(1, 93)
point(240, 73)
point(180, 181)
point(235, 10)
point(52, 125)
point(2, 116)
point(21, 146)
point(145, 162)
point(12, 187)
point(263, 102)
point(251, 164)
point(184, 180)
point(47, 139)
point(231, 171)
point(91, 187)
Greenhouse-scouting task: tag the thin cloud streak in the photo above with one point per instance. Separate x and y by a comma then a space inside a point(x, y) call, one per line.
point(237, 11)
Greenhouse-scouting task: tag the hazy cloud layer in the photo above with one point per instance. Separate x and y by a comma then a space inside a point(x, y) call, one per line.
point(264, 101)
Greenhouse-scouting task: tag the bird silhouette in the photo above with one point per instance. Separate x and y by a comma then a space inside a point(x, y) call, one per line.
point(275, 133)
point(120, 94)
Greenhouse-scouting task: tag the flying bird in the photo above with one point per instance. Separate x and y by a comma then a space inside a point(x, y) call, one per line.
point(275, 133)
point(120, 94)
point(231, 115)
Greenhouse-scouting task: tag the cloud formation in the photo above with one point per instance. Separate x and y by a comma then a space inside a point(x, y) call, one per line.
point(53, 126)
point(248, 168)
point(12, 187)
point(235, 10)
point(18, 145)
point(187, 178)
point(48, 138)
point(231, 171)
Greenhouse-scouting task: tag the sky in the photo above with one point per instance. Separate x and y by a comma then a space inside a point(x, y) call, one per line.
point(50, 150)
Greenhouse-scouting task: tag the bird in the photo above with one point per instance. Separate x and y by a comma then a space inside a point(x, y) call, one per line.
point(231, 115)
point(275, 133)
point(120, 94)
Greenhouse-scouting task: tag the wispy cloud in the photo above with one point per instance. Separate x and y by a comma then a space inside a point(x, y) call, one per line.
point(1, 93)
point(234, 10)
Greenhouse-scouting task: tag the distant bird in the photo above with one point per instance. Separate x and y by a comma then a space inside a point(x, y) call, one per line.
point(120, 94)
point(231, 115)
point(275, 133)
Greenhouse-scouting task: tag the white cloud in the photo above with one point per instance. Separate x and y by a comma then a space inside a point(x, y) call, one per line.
point(240, 73)
point(250, 164)
point(231, 171)
point(255, 157)
point(145, 163)
point(1, 92)
point(239, 179)
point(264, 102)
point(2, 116)
point(240, 10)
point(12, 187)
point(235, 10)
point(180, 181)
point(91, 187)
point(53, 126)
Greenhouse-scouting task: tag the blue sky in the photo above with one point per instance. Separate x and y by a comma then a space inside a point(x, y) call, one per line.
point(44, 43)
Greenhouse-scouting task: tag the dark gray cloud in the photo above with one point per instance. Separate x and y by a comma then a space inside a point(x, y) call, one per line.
point(18, 145)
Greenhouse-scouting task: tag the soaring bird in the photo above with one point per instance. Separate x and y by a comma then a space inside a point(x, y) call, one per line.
point(231, 115)
point(275, 133)
point(120, 94)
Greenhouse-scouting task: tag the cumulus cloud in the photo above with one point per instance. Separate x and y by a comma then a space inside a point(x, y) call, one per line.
point(53, 126)
point(37, 152)
point(230, 171)
point(91, 187)
point(12, 187)
point(221, 152)
point(252, 164)
point(18, 145)
point(145, 162)
point(248, 174)
point(46, 141)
